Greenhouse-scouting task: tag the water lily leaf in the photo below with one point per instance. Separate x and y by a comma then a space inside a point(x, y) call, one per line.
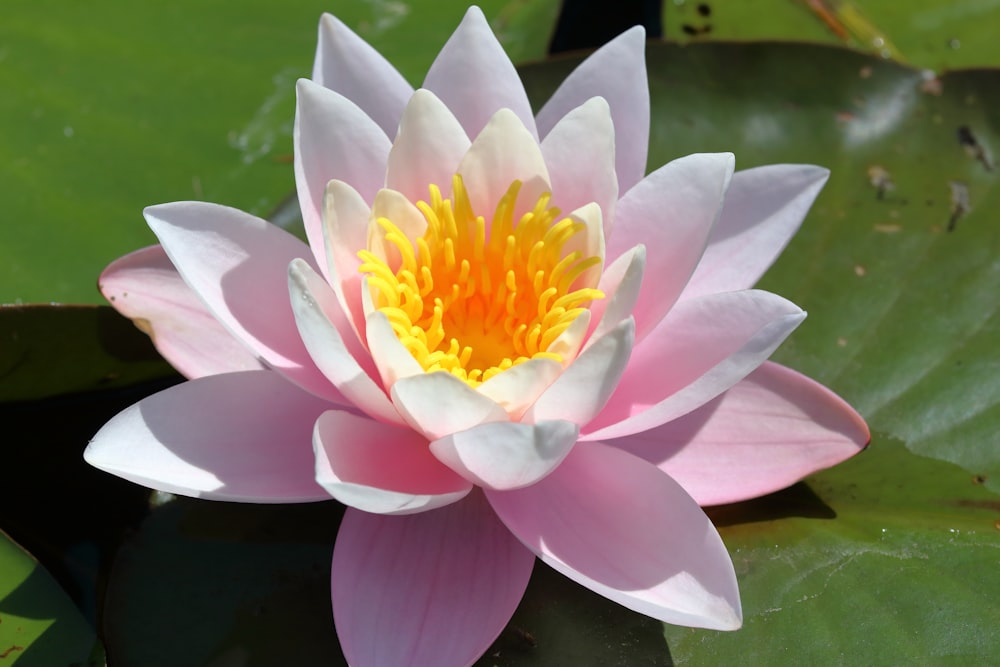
point(925, 33)
point(39, 624)
point(101, 121)
point(51, 350)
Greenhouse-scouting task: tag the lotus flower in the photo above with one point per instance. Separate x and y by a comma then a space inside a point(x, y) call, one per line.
point(501, 342)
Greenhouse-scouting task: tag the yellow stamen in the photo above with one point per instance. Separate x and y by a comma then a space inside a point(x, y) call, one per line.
point(474, 298)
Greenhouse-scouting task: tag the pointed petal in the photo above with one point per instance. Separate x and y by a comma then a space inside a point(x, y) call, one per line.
point(428, 148)
point(702, 348)
point(672, 211)
point(766, 433)
point(764, 208)
point(620, 283)
point(333, 139)
point(345, 232)
point(145, 287)
point(347, 64)
point(517, 387)
point(348, 367)
point(616, 72)
point(393, 360)
point(622, 528)
point(403, 214)
point(238, 266)
point(441, 585)
point(583, 388)
point(474, 77)
point(506, 455)
point(379, 468)
point(580, 155)
point(438, 404)
point(503, 153)
point(241, 437)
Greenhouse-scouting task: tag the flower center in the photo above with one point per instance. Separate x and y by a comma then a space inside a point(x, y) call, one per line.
point(475, 301)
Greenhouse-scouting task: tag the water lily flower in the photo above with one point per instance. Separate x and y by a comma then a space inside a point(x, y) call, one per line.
point(502, 341)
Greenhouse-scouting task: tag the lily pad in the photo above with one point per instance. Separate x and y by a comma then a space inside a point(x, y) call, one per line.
point(101, 119)
point(39, 625)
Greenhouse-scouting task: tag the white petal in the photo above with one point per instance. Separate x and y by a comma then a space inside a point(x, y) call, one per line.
point(428, 148)
point(583, 388)
point(241, 437)
point(333, 139)
point(506, 455)
point(438, 404)
point(517, 387)
point(504, 152)
point(580, 155)
point(345, 232)
point(350, 370)
point(620, 283)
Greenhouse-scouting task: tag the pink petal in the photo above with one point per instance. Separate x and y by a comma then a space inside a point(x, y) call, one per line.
point(504, 152)
point(146, 288)
point(428, 148)
point(616, 72)
point(474, 77)
point(580, 155)
point(767, 432)
point(334, 139)
point(434, 588)
point(583, 388)
point(379, 468)
point(671, 212)
point(622, 528)
point(764, 208)
point(347, 64)
point(439, 404)
point(238, 266)
point(702, 348)
point(348, 367)
point(242, 437)
point(506, 455)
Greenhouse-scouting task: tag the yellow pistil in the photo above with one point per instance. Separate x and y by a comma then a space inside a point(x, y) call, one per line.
point(475, 303)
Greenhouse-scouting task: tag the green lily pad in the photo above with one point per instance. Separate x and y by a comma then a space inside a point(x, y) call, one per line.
point(39, 624)
point(110, 109)
point(934, 34)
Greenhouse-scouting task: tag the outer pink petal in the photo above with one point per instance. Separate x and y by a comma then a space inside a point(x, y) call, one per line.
point(474, 77)
point(583, 388)
point(241, 437)
point(622, 528)
point(439, 404)
point(702, 348)
point(671, 212)
point(380, 468)
point(145, 287)
point(348, 65)
point(764, 208)
point(348, 367)
point(616, 72)
point(334, 139)
point(434, 588)
point(506, 455)
point(238, 266)
point(428, 148)
point(580, 155)
point(766, 433)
